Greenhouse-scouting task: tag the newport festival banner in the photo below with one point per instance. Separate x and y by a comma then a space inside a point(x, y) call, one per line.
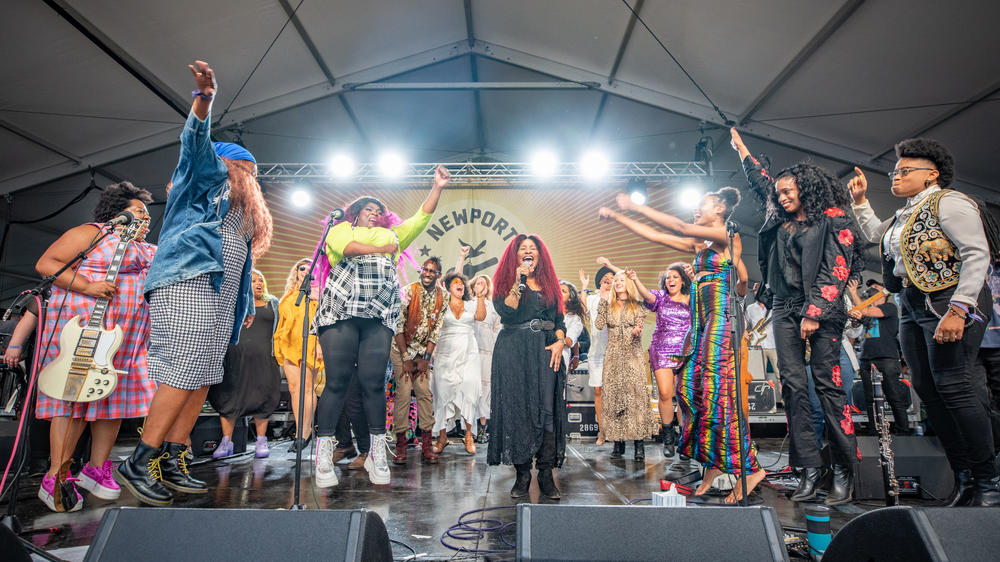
point(484, 219)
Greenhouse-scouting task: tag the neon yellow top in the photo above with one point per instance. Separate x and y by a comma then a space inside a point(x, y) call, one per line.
point(344, 233)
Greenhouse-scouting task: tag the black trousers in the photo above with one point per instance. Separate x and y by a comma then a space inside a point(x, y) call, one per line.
point(895, 391)
point(353, 415)
point(943, 376)
point(355, 347)
point(988, 368)
point(825, 344)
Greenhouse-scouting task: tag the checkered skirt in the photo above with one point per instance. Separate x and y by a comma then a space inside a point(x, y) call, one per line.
point(128, 310)
point(191, 323)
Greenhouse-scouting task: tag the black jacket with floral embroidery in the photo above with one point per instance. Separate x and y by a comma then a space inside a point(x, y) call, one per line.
point(838, 255)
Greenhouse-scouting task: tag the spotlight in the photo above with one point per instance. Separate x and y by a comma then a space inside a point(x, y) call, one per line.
point(342, 165)
point(593, 165)
point(689, 196)
point(637, 191)
point(391, 164)
point(301, 198)
point(544, 163)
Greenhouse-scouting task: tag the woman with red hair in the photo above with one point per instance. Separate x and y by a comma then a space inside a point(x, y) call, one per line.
point(528, 376)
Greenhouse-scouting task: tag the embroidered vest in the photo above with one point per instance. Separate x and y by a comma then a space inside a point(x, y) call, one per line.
point(413, 318)
point(931, 260)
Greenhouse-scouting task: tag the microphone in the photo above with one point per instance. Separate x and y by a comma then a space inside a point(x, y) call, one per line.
point(124, 218)
point(524, 278)
point(732, 228)
point(336, 214)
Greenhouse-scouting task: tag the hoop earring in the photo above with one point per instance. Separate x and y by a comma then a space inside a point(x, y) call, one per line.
point(927, 183)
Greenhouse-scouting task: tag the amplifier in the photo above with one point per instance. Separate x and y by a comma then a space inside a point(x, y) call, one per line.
point(762, 397)
point(207, 432)
point(921, 468)
point(756, 364)
point(581, 420)
point(578, 387)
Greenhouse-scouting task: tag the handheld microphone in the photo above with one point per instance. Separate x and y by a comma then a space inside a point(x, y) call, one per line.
point(124, 218)
point(524, 278)
point(336, 214)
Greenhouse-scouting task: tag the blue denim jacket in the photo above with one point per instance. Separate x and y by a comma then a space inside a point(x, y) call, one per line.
point(190, 244)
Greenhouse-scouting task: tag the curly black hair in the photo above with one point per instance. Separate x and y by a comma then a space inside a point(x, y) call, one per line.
point(685, 279)
point(465, 281)
point(729, 197)
point(818, 191)
point(437, 261)
point(116, 198)
point(932, 150)
point(574, 304)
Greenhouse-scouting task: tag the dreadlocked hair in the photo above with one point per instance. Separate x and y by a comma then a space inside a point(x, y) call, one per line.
point(818, 191)
point(245, 194)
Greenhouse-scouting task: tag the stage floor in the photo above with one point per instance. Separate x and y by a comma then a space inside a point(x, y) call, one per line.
point(422, 502)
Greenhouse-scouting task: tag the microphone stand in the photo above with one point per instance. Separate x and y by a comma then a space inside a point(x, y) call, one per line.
point(43, 290)
point(304, 290)
point(734, 314)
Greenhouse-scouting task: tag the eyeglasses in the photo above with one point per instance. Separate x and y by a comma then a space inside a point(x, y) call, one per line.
point(429, 271)
point(903, 172)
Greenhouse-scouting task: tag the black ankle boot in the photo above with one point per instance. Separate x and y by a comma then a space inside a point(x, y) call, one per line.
point(669, 439)
point(547, 485)
point(808, 484)
point(965, 489)
point(842, 486)
point(987, 492)
point(640, 450)
point(618, 450)
point(679, 468)
point(522, 482)
point(545, 462)
point(174, 471)
point(140, 474)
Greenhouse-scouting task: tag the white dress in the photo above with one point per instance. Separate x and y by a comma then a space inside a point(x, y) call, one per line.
point(486, 337)
point(598, 343)
point(456, 382)
point(574, 327)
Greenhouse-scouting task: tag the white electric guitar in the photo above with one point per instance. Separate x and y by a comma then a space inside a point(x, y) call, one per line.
point(82, 372)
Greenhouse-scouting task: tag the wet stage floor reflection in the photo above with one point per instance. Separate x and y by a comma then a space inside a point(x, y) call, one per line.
point(420, 504)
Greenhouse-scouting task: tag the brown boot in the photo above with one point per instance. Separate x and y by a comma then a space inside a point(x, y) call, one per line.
point(427, 447)
point(400, 457)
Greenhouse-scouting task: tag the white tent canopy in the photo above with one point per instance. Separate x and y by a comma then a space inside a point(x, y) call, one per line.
point(103, 84)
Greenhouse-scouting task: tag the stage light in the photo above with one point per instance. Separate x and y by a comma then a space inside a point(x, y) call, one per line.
point(544, 163)
point(391, 164)
point(301, 198)
point(342, 166)
point(689, 197)
point(593, 165)
point(637, 191)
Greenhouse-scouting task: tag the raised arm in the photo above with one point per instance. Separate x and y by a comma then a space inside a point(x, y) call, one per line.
point(650, 298)
point(649, 233)
point(441, 179)
point(607, 263)
point(871, 226)
point(674, 224)
point(204, 82)
point(463, 253)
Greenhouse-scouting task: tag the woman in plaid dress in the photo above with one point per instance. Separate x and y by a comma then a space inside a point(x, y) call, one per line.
point(74, 293)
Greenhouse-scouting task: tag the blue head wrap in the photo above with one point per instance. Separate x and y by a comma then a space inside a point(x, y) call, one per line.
point(233, 151)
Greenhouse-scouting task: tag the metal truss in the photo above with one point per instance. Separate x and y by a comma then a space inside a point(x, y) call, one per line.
point(479, 173)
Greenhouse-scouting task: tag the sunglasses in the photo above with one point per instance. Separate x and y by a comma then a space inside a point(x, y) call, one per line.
point(303, 267)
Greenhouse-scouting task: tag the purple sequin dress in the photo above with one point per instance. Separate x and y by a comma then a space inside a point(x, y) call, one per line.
point(673, 319)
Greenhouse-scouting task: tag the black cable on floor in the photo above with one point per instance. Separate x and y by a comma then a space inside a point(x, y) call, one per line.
point(465, 530)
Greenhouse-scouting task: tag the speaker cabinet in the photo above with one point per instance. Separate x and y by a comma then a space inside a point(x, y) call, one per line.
point(921, 468)
point(171, 534)
point(609, 532)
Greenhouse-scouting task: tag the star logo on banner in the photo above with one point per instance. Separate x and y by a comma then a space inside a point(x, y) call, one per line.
point(425, 251)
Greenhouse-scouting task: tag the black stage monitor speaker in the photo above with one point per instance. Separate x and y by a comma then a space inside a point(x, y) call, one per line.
point(171, 534)
point(921, 468)
point(917, 534)
point(609, 532)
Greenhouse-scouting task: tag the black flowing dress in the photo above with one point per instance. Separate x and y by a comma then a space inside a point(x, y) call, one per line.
point(527, 394)
point(251, 383)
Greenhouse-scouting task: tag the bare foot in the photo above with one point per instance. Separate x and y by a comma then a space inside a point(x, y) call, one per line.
point(752, 481)
point(600, 438)
point(706, 481)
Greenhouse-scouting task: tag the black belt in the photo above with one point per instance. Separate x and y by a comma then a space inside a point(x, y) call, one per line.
point(535, 325)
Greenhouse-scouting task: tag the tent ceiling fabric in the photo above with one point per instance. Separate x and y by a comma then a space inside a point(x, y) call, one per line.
point(68, 105)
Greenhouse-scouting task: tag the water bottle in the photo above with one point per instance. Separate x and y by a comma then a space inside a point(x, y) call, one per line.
point(818, 529)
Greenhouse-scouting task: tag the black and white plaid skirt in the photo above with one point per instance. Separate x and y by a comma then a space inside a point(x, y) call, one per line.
point(191, 324)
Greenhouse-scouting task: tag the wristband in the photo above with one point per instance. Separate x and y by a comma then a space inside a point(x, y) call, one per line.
point(426, 357)
point(13, 347)
point(199, 94)
point(967, 310)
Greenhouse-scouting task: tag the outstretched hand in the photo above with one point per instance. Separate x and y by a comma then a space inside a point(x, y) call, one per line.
point(858, 185)
point(204, 77)
point(441, 177)
point(625, 202)
point(606, 213)
point(464, 251)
